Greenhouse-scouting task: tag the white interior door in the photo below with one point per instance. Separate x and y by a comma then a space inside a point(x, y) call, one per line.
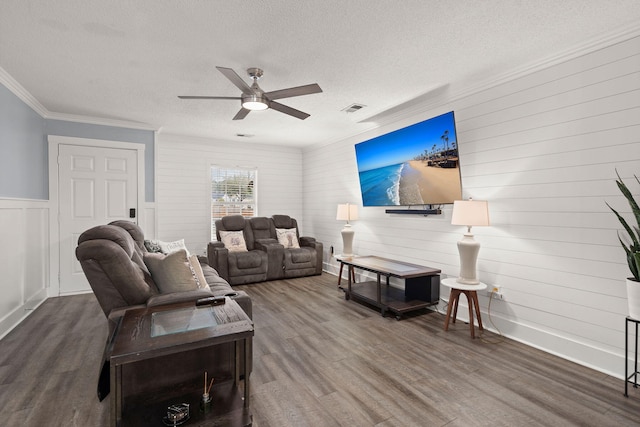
point(96, 186)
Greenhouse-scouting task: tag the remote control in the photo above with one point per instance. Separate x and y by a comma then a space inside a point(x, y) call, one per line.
point(211, 301)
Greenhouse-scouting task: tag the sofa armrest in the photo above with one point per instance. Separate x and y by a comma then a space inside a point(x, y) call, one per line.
point(176, 297)
point(307, 241)
point(218, 258)
point(243, 300)
point(312, 243)
point(275, 257)
point(262, 244)
point(215, 244)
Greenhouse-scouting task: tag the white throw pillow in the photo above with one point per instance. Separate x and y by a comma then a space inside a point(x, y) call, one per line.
point(171, 247)
point(287, 237)
point(233, 240)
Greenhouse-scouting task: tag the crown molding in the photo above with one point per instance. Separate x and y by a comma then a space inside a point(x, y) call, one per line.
point(609, 39)
point(18, 90)
point(446, 95)
point(100, 121)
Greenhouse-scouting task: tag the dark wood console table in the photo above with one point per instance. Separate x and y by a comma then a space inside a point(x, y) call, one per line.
point(422, 284)
point(159, 356)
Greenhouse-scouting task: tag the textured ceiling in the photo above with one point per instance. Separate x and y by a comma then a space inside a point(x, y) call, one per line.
point(129, 60)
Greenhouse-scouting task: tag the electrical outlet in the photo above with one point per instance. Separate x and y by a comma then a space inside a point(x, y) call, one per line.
point(495, 293)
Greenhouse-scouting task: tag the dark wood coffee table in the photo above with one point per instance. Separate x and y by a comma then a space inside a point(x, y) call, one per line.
point(421, 284)
point(159, 356)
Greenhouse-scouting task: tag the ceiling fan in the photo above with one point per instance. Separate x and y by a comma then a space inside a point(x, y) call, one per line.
point(254, 98)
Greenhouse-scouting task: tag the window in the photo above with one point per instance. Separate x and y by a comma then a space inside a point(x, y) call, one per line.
point(233, 192)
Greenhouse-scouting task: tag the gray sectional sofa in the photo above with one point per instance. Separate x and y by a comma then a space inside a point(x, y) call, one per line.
point(250, 250)
point(113, 259)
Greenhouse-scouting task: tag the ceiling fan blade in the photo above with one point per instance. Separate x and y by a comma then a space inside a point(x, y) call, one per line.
point(208, 97)
point(288, 110)
point(236, 80)
point(241, 114)
point(294, 91)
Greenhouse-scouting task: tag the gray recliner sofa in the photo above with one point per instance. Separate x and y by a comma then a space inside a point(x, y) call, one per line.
point(264, 258)
point(111, 257)
point(238, 268)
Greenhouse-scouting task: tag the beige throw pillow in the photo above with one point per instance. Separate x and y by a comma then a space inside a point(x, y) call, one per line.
point(233, 240)
point(287, 237)
point(198, 274)
point(171, 273)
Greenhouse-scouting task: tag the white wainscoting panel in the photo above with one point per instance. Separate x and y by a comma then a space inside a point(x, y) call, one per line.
point(543, 148)
point(183, 186)
point(24, 259)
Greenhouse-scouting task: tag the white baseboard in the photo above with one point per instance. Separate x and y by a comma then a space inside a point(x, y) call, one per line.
point(13, 319)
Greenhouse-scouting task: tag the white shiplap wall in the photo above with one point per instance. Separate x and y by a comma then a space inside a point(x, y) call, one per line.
point(542, 147)
point(184, 191)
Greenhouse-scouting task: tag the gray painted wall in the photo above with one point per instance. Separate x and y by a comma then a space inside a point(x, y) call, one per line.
point(24, 172)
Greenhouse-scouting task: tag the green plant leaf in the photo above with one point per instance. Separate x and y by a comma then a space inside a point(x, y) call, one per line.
point(634, 265)
point(632, 249)
point(635, 209)
point(626, 226)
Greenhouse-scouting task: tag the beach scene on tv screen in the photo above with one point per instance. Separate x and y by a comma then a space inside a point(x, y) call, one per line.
point(415, 165)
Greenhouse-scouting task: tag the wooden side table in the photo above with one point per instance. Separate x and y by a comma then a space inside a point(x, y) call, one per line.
point(471, 291)
point(350, 270)
point(160, 353)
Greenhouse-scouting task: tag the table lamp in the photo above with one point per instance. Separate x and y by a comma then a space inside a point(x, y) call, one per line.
point(347, 212)
point(469, 213)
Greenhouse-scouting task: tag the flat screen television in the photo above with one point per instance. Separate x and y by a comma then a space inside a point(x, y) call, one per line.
point(415, 165)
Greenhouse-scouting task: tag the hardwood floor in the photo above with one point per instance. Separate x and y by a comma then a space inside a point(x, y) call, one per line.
point(322, 361)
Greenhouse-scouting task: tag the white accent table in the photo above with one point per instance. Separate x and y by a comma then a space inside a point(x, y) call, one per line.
point(471, 291)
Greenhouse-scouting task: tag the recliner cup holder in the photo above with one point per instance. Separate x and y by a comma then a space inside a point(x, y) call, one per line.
point(231, 294)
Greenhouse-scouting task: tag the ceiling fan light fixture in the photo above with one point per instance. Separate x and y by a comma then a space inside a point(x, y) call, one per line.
point(253, 98)
point(254, 102)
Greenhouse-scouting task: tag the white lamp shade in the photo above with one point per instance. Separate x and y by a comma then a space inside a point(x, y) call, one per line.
point(470, 212)
point(347, 212)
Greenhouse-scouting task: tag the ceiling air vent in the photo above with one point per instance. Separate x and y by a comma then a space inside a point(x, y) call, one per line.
point(353, 108)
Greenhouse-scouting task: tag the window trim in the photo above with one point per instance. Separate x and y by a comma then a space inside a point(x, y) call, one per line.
point(253, 173)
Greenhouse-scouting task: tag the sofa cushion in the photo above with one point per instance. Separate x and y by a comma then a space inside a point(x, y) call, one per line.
point(233, 240)
point(172, 272)
point(284, 221)
point(287, 237)
point(304, 255)
point(253, 259)
point(232, 223)
point(133, 229)
point(262, 228)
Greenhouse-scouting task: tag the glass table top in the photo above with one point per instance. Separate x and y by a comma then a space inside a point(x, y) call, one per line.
point(182, 320)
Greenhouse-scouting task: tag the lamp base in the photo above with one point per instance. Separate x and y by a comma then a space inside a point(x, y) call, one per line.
point(468, 249)
point(347, 240)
